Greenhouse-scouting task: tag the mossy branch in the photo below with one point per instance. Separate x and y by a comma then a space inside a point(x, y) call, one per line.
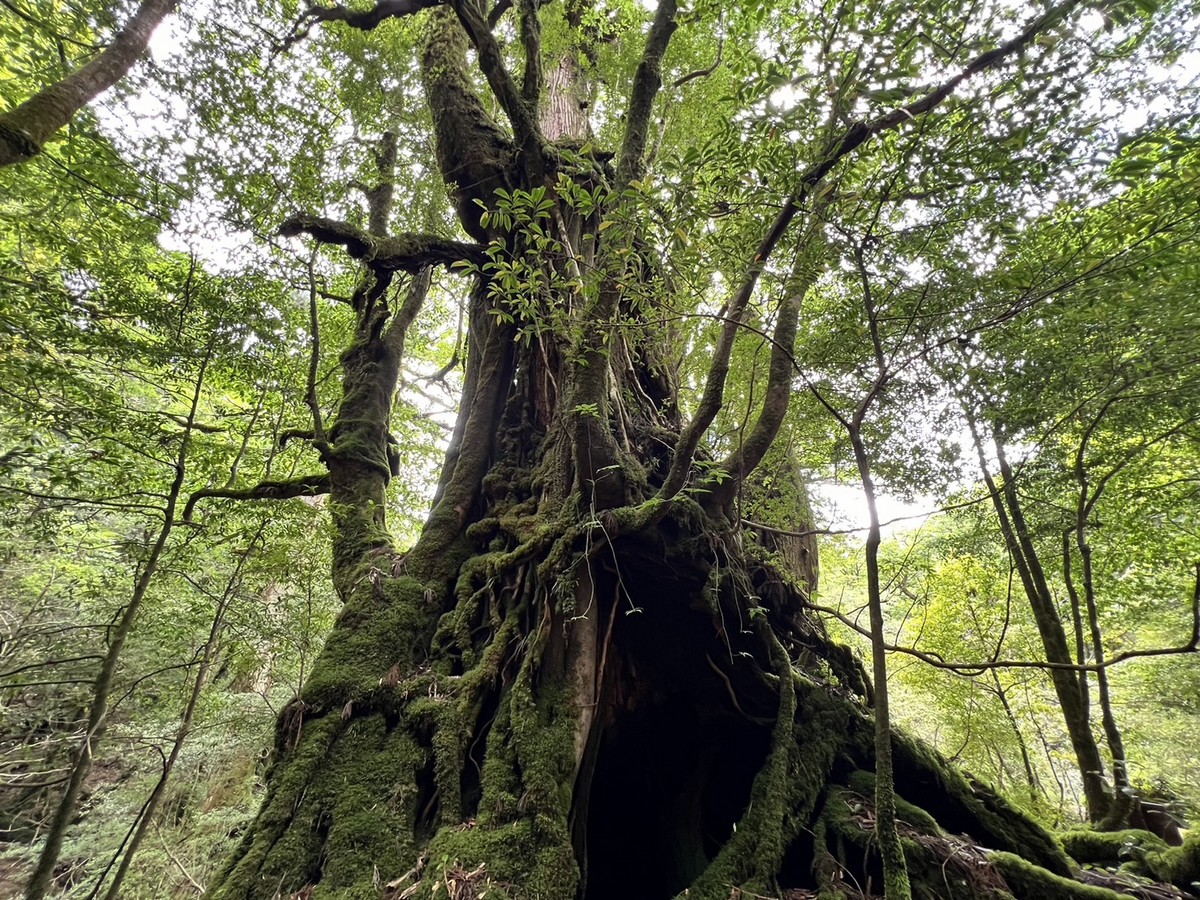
point(531, 41)
point(500, 80)
point(26, 128)
point(409, 252)
point(646, 84)
point(304, 486)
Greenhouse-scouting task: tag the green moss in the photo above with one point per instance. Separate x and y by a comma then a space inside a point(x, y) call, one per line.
point(1085, 845)
point(501, 782)
point(380, 626)
point(1031, 882)
point(970, 806)
point(449, 750)
point(786, 789)
point(543, 735)
point(518, 860)
point(367, 792)
point(1178, 865)
point(340, 812)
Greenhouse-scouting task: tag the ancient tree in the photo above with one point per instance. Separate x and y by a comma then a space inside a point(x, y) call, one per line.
point(586, 677)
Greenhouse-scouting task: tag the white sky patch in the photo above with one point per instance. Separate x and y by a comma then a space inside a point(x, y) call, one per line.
point(843, 506)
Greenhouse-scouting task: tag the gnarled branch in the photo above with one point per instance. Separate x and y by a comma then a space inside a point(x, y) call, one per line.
point(362, 19)
point(409, 252)
point(304, 486)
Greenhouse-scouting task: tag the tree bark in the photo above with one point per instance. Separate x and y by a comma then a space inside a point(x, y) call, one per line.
point(25, 129)
point(577, 682)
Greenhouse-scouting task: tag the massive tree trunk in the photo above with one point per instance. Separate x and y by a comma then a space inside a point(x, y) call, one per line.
point(582, 680)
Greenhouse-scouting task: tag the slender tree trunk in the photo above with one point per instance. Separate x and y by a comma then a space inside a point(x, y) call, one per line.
point(43, 874)
point(1031, 778)
point(1124, 800)
point(208, 655)
point(1010, 515)
point(895, 872)
point(26, 128)
point(1081, 654)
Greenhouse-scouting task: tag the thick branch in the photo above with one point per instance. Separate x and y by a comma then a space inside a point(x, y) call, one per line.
point(379, 197)
point(713, 397)
point(304, 486)
point(319, 438)
point(406, 252)
point(646, 85)
point(531, 41)
point(362, 19)
point(25, 129)
point(491, 61)
point(413, 301)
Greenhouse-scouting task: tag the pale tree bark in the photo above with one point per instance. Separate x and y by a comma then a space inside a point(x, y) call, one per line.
point(25, 129)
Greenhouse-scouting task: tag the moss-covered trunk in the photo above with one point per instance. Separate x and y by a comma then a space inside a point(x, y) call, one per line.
point(437, 741)
point(577, 682)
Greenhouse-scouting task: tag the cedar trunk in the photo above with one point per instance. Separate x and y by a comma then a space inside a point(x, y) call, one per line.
point(573, 685)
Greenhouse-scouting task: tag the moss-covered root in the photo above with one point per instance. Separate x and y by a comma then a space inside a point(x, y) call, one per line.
point(966, 807)
point(811, 731)
point(1030, 882)
point(941, 867)
point(1087, 846)
point(1179, 866)
point(339, 812)
point(1140, 852)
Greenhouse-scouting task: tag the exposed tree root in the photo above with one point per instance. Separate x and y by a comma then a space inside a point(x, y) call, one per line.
point(434, 751)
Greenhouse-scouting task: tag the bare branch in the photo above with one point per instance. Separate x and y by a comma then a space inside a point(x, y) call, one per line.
point(705, 72)
point(976, 668)
point(746, 456)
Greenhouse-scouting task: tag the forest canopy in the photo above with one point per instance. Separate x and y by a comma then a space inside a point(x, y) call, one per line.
point(592, 448)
